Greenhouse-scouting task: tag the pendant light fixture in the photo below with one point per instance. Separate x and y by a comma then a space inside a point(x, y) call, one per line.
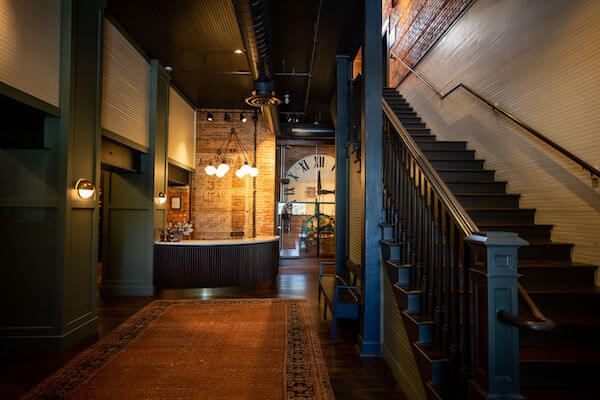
point(230, 145)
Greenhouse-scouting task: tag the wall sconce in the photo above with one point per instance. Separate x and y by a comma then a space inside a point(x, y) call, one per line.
point(162, 198)
point(84, 188)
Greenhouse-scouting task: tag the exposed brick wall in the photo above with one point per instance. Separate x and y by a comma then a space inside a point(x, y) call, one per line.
point(182, 214)
point(224, 205)
point(417, 24)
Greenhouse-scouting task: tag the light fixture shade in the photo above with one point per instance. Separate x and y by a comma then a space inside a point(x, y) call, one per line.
point(222, 169)
point(240, 174)
point(85, 188)
point(162, 198)
point(210, 170)
point(254, 172)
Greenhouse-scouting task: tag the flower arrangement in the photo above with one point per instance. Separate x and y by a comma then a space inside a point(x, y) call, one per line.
point(175, 231)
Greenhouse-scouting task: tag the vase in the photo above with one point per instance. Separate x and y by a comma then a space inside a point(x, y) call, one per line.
point(175, 237)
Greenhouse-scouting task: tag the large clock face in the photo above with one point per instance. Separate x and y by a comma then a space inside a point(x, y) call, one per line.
point(311, 178)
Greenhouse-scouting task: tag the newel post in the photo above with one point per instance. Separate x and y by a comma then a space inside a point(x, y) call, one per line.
point(494, 273)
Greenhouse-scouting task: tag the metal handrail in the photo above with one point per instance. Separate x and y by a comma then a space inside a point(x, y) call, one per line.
point(457, 211)
point(593, 171)
point(463, 220)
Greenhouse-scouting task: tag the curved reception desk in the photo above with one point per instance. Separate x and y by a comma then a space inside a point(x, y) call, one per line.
point(195, 264)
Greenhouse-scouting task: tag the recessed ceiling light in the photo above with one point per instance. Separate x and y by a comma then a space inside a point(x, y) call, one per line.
point(238, 51)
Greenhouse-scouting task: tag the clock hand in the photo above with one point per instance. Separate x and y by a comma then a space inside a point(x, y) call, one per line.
point(318, 182)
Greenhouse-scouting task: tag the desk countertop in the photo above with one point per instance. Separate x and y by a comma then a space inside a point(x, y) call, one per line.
point(226, 242)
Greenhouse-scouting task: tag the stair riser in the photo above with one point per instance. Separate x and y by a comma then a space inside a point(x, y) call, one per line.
point(419, 131)
point(391, 251)
point(417, 333)
point(413, 125)
point(426, 146)
point(489, 202)
point(422, 137)
point(467, 176)
point(458, 164)
point(408, 302)
point(557, 375)
point(570, 335)
point(402, 115)
point(535, 252)
point(566, 275)
point(501, 216)
point(397, 275)
point(565, 303)
point(409, 120)
point(436, 372)
point(470, 187)
point(454, 155)
point(387, 232)
point(536, 234)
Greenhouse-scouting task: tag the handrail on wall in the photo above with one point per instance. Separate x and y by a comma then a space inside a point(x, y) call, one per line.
point(593, 171)
point(462, 219)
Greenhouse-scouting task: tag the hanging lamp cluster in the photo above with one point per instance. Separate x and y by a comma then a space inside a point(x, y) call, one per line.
point(231, 145)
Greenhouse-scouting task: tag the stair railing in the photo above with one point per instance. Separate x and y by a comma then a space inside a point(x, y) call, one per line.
point(593, 171)
point(447, 258)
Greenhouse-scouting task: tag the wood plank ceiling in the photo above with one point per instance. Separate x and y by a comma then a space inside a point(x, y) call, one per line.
point(197, 38)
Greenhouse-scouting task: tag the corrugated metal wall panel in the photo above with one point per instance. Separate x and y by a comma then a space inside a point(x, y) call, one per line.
point(541, 62)
point(182, 130)
point(355, 213)
point(30, 47)
point(396, 348)
point(125, 88)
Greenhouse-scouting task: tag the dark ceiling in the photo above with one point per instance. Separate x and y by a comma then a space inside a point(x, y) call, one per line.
point(197, 38)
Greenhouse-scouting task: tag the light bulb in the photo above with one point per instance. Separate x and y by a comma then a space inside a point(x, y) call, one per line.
point(253, 172)
point(222, 168)
point(85, 188)
point(239, 173)
point(210, 170)
point(246, 168)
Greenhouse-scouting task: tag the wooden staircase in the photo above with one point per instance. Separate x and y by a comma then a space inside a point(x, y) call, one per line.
point(562, 364)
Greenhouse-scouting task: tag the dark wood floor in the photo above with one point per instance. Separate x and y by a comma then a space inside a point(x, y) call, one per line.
point(352, 376)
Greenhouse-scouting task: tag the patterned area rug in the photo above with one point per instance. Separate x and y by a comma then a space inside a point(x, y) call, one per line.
point(201, 349)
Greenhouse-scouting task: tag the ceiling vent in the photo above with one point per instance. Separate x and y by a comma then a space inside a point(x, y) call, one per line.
point(263, 95)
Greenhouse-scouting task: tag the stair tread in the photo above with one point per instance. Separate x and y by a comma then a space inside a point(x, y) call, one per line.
point(490, 195)
point(554, 264)
point(560, 288)
point(465, 170)
point(570, 318)
point(500, 209)
point(512, 225)
point(557, 394)
point(418, 318)
point(472, 181)
point(559, 354)
point(408, 289)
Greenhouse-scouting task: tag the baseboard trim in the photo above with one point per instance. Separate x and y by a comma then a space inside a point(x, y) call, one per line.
point(127, 290)
point(56, 342)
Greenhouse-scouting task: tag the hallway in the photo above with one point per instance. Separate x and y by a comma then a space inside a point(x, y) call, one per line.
point(351, 376)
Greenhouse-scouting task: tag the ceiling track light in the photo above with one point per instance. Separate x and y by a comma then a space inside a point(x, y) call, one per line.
point(227, 117)
point(243, 118)
point(209, 117)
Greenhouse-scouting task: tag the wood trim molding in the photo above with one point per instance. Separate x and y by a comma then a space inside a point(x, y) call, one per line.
point(29, 100)
point(181, 165)
point(115, 137)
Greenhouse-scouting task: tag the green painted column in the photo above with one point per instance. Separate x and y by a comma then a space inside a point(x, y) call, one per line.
point(133, 218)
point(49, 245)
